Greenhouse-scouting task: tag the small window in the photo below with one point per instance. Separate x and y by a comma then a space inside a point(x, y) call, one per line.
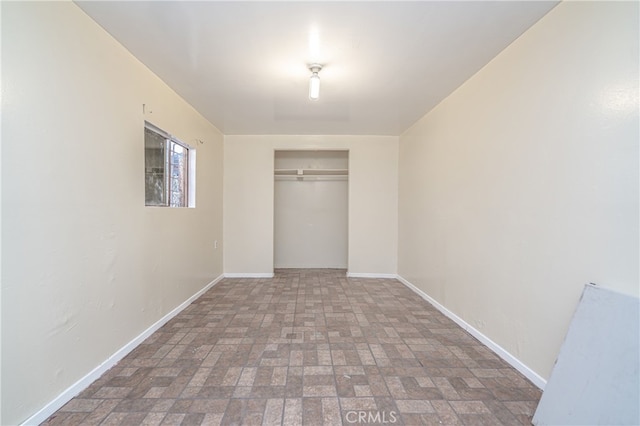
point(169, 169)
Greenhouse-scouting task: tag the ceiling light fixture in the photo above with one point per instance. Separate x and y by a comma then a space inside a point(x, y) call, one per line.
point(314, 82)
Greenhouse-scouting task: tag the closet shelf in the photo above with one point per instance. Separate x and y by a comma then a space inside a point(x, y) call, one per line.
point(311, 172)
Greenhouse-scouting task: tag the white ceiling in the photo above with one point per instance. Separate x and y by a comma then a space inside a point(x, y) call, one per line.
point(243, 65)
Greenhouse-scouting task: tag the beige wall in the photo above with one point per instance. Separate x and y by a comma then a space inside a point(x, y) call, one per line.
point(248, 200)
point(86, 267)
point(522, 185)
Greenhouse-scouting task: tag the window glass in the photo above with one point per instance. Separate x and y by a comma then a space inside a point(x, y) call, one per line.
point(154, 164)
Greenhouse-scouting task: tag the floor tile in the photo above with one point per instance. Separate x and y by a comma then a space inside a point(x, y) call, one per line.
point(307, 347)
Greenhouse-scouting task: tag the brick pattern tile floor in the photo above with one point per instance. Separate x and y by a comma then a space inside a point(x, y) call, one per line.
point(308, 347)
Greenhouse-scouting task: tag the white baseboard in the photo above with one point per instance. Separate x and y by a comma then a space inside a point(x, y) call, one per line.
point(248, 275)
point(73, 390)
point(370, 275)
point(499, 350)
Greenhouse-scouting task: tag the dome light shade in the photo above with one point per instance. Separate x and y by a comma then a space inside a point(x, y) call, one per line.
point(314, 82)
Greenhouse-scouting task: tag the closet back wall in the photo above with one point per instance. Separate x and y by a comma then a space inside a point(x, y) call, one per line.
point(311, 212)
point(249, 199)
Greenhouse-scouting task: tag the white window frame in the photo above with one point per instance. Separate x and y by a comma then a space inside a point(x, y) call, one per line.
point(190, 164)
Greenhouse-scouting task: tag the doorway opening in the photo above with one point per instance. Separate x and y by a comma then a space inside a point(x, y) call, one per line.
point(311, 209)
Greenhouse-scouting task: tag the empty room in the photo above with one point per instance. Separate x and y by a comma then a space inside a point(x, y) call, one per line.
point(301, 213)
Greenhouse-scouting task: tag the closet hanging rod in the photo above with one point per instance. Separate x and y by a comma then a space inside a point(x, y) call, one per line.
point(311, 177)
point(311, 172)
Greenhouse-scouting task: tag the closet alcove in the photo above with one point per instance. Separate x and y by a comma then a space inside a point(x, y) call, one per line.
point(311, 191)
